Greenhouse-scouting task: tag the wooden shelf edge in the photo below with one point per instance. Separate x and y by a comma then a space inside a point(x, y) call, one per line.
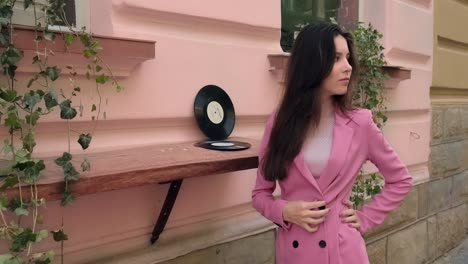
point(120, 54)
point(279, 61)
point(207, 162)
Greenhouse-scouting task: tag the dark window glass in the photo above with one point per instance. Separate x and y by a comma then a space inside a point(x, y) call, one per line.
point(297, 13)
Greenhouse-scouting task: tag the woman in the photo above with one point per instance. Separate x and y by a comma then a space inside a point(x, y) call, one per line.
point(314, 146)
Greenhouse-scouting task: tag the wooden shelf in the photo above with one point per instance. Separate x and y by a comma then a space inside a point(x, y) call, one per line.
point(279, 62)
point(122, 55)
point(127, 168)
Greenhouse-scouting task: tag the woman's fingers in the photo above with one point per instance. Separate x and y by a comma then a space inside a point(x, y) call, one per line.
point(348, 212)
point(310, 228)
point(355, 225)
point(314, 221)
point(351, 219)
point(348, 203)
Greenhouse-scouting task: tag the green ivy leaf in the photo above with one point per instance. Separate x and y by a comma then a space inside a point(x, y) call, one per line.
point(53, 72)
point(32, 118)
point(33, 171)
point(43, 234)
point(12, 56)
point(10, 181)
point(29, 142)
point(3, 203)
point(59, 235)
point(21, 240)
point(31, 99)
point(69, 38)
point(67, 198)
point(67, 112)
point(15, 203)
point(10, 259)
point(4, 38)
point(84, 140)
point(8, 95)
point(70, 173)
point(85, 165)
point(21, 211)
point(44, 258)
point(98, 68)
point(13, 121)
point(66, 157)
point(50, 99)
point(93, 108)
point(102, 79)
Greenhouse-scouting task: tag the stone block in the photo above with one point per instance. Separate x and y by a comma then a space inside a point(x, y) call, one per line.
point(257, 249)
point(464, 120)
point(451, 228)
point(404, 214)
point(452, 123)
point(432, 238)
point(460, 188)
point(447, 159)
point(465, 154)
point(377, 251)
point(439, 194)
point(408, 246)
point(437, 123)
point(423, 199)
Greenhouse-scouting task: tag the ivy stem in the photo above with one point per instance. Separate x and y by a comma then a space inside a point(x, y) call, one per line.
point(3, 218)
point(68, 134)
point(62, 246)
point(34, 202)
point(19, 189)
point(99, 105)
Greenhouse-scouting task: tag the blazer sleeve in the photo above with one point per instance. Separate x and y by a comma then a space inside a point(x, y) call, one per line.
point(262, 194)
point(398, 181)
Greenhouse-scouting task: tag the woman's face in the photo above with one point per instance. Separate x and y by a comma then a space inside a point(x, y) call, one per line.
point(337, 82)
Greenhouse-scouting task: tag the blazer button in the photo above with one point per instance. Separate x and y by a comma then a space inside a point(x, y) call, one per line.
point(295, 244)
point(322, 243)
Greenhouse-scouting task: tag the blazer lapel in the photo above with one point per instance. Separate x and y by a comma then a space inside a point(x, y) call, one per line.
point(299, 162)
point(342, 138)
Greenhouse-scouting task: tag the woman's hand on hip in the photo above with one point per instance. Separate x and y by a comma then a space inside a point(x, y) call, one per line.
point(349, 215)
point(305, 214)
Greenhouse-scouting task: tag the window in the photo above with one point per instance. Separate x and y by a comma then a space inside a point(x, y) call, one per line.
point(76, 13)
point(297, 13)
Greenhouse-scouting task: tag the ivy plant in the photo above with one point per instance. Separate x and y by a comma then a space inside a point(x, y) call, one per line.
point(369, 94)
point(22, 107)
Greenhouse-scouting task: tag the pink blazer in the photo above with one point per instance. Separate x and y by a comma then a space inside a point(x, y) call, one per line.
point(355, 140)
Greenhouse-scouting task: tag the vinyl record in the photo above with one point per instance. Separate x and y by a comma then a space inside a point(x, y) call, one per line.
point(214, 112)
point(224, 145)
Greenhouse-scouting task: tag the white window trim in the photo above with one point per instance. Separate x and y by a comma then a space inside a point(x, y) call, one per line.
point(361, 10)
point(82, 17)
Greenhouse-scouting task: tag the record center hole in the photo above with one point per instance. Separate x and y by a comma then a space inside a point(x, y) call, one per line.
point(222, 144)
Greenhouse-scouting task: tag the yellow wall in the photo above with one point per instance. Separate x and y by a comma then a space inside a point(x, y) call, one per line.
point(450, 72)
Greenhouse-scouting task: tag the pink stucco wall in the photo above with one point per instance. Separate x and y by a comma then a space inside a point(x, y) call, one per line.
point(407, 27)
point(224, 44)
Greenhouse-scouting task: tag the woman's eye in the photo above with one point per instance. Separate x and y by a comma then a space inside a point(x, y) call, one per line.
point(337, 58)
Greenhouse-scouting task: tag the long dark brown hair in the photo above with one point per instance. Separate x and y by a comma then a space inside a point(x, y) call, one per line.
point(311, 61)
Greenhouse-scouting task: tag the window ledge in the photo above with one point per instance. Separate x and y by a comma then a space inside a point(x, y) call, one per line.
point(127, 168)
point(121, 55)
point(278, 64)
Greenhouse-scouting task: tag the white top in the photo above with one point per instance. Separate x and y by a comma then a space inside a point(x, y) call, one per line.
point(317, 146)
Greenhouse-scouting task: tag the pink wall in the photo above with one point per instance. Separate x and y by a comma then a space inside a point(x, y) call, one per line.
point(224, 44)
point(196, 45)
point(407, 27)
